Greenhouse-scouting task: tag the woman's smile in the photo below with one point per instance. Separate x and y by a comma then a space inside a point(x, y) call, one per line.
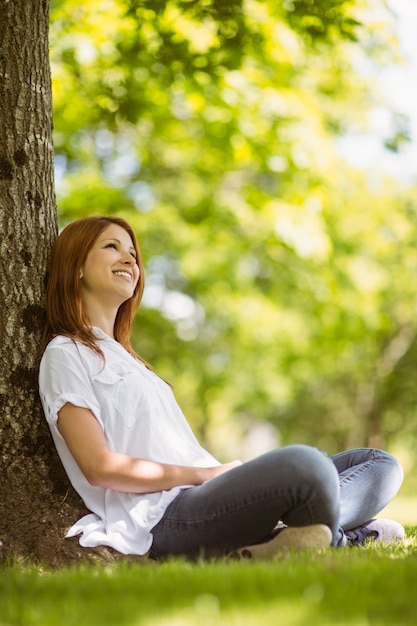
point(123, 274)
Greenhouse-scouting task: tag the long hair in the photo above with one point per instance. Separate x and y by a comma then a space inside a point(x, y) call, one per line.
point(65, 314)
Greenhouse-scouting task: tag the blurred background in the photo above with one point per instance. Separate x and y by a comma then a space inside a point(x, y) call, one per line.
point(266, 154)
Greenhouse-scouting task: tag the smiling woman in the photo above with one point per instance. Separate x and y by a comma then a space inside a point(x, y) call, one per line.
point(109, 276)
point(131, 455)
point(66, 311)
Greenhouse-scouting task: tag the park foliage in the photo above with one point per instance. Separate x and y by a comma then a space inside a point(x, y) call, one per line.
point(280, 278)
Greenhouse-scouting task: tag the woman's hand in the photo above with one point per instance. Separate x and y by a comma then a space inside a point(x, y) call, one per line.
point(217, 470)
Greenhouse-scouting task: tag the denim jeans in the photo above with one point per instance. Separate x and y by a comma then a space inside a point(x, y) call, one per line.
point(369, 479)
point(297, 485)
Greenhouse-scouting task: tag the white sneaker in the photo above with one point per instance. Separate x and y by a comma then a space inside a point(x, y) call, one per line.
point(315, 536)
point(384, 530)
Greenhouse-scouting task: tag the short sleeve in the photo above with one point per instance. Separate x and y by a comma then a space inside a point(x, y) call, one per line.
point(64, 377)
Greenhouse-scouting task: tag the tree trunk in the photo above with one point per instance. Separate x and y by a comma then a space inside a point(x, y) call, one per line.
point(33, 486)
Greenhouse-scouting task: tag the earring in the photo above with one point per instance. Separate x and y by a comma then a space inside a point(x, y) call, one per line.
point(81, 274)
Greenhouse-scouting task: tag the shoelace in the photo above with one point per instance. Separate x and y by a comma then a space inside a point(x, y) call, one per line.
point(357, 536)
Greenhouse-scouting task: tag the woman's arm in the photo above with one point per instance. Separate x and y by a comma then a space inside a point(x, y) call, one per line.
point(102, 468)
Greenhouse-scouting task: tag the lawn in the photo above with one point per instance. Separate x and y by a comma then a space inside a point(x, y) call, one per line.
point(352, 586)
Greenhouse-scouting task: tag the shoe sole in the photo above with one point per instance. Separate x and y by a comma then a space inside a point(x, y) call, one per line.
point(313, 537)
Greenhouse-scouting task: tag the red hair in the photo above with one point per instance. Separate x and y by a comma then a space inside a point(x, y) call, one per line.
point(65, 313)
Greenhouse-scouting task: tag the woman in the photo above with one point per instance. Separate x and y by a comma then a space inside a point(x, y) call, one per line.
point(130, 454)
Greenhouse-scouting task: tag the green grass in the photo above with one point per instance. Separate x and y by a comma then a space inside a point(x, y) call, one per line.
point(360, 587)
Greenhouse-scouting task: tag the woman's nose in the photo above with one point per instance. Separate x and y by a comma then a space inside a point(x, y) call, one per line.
point(128, 259)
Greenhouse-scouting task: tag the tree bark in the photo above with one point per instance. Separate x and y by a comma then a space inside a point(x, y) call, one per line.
point(31, 524)
point(37, 503)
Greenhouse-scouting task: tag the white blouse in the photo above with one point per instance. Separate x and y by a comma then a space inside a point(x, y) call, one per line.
point(139, 416)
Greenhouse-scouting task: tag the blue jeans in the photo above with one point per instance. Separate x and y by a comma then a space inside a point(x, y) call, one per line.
point(369, 479)
point(297, 485)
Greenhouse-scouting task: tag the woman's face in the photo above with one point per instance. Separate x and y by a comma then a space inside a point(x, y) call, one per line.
point(110, 272)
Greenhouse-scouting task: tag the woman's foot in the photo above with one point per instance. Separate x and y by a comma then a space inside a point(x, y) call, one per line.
point(315, 536)
point(383, 530)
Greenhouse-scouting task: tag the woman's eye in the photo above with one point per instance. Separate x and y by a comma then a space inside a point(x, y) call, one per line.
point(111, 245)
